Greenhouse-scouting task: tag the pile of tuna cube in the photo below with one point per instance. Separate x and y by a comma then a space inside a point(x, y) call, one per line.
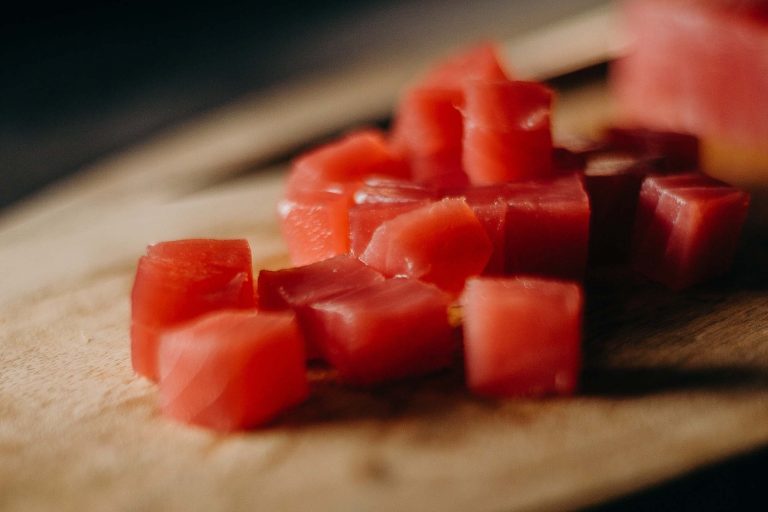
point(464, 231)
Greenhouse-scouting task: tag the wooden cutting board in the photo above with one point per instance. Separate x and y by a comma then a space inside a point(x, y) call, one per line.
point(673, 381)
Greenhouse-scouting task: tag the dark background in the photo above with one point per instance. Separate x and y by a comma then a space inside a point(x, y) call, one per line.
point(82, 79)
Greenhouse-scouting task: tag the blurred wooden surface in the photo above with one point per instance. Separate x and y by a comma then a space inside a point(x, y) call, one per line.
point(672, 381)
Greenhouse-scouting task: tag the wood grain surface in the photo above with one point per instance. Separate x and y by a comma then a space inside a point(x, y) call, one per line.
point(673, 381)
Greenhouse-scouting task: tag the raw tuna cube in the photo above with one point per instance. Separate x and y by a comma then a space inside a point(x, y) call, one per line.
point(441, 243)
point(293, 288)
point(390, 330)
point(669, 151)
point(428, 131)
point(299, 286)
point(428, 126)
point(687, 228)
point(180, 280)
point(351, 159)
point(315, 225)
point(507, 135)
point(522, 336)
point(696, 66)
point(547, 227)
point(364, 219)
point(648, 201)
point(232, 370)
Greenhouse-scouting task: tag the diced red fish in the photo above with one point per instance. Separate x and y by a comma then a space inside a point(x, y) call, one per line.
point(507, 133)
point(365, 219)
point(522, 336)
point(441, 243)
point(386, 331)
point(687, 228)
point(232, 370)
point(547, 227)
point(180, 280)
point(293, 288)
point(315, 225)
point(428, 130)
point(353, 158)
point(698, 66)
